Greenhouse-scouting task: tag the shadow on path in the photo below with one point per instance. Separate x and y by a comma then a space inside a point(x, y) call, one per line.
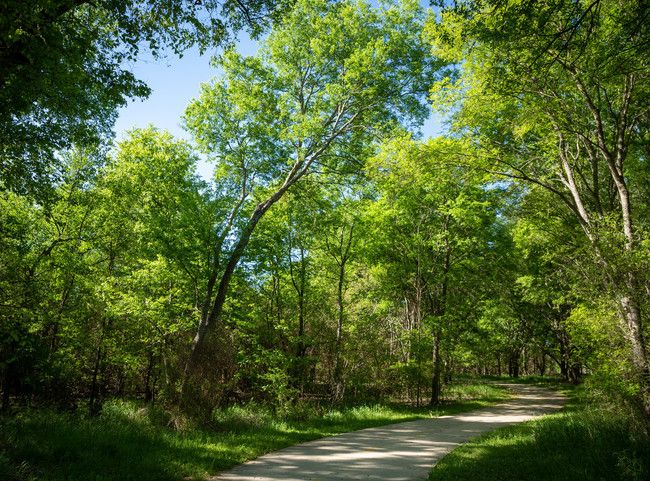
point(397, 452)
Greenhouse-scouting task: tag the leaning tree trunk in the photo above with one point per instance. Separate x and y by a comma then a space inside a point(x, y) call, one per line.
point(193, 367)
point(197, 368)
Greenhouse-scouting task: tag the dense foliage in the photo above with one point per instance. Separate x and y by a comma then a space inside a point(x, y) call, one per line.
point(333, 255)
point(63, 69)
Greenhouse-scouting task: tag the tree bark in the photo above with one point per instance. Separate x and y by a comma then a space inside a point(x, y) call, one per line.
point(148, 391)
point(94, 401)
point(299, 285)
point(440, 311)
point(630, 311)
point(341, 257)
point(337, 388)
point(513, 363)
point(435, 377)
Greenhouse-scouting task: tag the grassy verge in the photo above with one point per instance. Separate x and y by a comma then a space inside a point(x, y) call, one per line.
point(131, 442)
point(588, 440)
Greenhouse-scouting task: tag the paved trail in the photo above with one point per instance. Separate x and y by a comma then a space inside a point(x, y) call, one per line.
point(397, 452)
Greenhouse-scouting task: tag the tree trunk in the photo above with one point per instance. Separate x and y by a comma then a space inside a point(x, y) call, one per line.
point(542, 364)
point(337, 387)
point(342, 258)
point(194, 371)
point(94, 401)
point(5, 382)
point(615, 155)
point(299, 285)
point(574, 373)
point(194, 368)
point(564, 369)
point(440, 310)
point(148, 391)
point(631, 313)
point(435, 378)
point(513, 364)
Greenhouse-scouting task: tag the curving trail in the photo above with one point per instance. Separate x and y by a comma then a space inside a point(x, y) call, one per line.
point(396, 452)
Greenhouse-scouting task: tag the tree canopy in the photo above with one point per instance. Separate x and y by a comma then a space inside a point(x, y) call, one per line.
point(335, 254)
point(64, 68)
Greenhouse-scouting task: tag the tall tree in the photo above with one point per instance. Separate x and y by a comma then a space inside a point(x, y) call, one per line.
point(568, 85)
point(327, 82)
point(339, 243)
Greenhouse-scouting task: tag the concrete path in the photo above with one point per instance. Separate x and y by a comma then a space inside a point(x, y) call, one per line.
point(396, 452)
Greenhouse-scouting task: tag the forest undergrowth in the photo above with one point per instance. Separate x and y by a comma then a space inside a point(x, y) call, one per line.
point(133, 441)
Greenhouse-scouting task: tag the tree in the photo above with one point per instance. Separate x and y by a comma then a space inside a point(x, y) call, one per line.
point(567, 84)
point(330, 80)
point(63, 74)
point(103, 285)
point(41, 268)
point(551, 259)
point(435, 227)
point(150, 212)
point(340, 239)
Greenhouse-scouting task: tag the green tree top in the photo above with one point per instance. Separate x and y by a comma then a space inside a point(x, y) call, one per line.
point(63, 73)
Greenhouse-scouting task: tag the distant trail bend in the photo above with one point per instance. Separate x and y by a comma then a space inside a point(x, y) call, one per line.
point(396, 452)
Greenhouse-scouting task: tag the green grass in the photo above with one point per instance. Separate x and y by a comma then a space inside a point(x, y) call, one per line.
point(130, 442)
point(544, 381)
point(585, 441)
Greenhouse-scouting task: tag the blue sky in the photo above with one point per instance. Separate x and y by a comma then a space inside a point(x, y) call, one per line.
point(175, 81)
